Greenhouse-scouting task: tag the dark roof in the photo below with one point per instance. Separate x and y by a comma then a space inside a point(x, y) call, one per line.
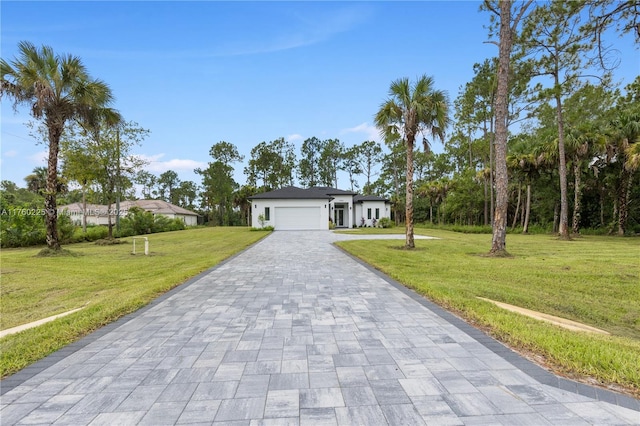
point(315, 193)
point(361, 198)
point(331, 191)
point(292, 192)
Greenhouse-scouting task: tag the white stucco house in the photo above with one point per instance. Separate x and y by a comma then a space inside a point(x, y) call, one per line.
point(163, 208)
point(293, 208)
point(98, 214)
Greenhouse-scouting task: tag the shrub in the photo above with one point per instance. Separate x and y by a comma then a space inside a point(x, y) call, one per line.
point(164, 224)
point(66, 228)
point(264, 228)
point(94, 232)
point(385, 222)
point(137, 222)
point(20, 228)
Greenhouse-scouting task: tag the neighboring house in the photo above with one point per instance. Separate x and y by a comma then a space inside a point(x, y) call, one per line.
point(98, 214)
point(293, 208)
point(163, 208)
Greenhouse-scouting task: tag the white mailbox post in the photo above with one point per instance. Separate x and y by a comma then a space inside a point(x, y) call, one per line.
point(146, 245)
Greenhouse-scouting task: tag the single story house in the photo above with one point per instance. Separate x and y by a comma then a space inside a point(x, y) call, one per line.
point(163, 208)
point(293, 208)
point(98, 214)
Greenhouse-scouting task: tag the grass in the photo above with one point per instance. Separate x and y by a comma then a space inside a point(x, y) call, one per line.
point(593, 280)
point(109, 280)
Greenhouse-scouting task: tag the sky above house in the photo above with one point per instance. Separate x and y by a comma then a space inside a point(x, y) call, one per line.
point(196, 73)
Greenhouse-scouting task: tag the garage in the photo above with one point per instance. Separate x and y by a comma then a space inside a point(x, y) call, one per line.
point(297, 218)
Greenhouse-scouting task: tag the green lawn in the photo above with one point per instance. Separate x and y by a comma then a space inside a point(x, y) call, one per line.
point(109, 280)
point(593, 280)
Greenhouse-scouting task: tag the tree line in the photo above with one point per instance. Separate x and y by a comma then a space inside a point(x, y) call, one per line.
point(540, 137)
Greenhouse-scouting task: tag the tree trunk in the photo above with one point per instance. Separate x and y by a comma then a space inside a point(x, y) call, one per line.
point(492, 166)
point(84, 208)
point(556, 217)
point(431, 213)
point(577, 192)
point(525, 228)
point(562, 171)
point(623, 203)
point(396, 183)
point(515, 214)
point(499, 241)
point(50, 207)
point(614, 215)
point(109, 223)
point(486, 202)
point(601, 191)
point(410, 243)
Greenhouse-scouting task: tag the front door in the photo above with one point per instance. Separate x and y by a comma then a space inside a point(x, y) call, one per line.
point(338, 217)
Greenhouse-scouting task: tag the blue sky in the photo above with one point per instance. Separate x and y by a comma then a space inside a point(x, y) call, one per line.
point(196, 73)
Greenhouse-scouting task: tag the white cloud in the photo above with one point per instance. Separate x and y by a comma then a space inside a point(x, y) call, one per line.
point(156, 165)
point(294, 137)
point(11, 153)
point(369, 130)
point(302, 28)
point(178, 164)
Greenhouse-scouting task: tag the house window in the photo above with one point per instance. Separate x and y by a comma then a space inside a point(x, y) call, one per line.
point(377, 213)
point(267, 213)
point(368, 213)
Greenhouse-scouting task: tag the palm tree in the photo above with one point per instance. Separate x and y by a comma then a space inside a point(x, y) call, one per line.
point(37, 180)
point(527, 166)
point(412, 109)
point(623, 143)
point(582, 144)
point(58, 89)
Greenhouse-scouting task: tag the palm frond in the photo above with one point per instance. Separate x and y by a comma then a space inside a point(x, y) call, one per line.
point(633, 157)
point(400, 91)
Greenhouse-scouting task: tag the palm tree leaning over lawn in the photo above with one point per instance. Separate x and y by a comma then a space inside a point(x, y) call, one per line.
point(58, 89)
point(412, 109)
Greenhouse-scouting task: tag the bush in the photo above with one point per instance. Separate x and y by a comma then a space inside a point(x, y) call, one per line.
point(94, 233)
point(164, 224)
point(21, 225)
point(385, 222)
point(264, 228)
point(594, 231)
point(140, 222)
point(66, 228)
point(261, 220)
point(471, 229)
point(137, 222)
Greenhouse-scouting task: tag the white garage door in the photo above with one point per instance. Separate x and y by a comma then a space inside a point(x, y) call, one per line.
point(290, 218)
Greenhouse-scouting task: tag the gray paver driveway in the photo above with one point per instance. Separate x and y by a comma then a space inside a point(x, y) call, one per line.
point(293, 331)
